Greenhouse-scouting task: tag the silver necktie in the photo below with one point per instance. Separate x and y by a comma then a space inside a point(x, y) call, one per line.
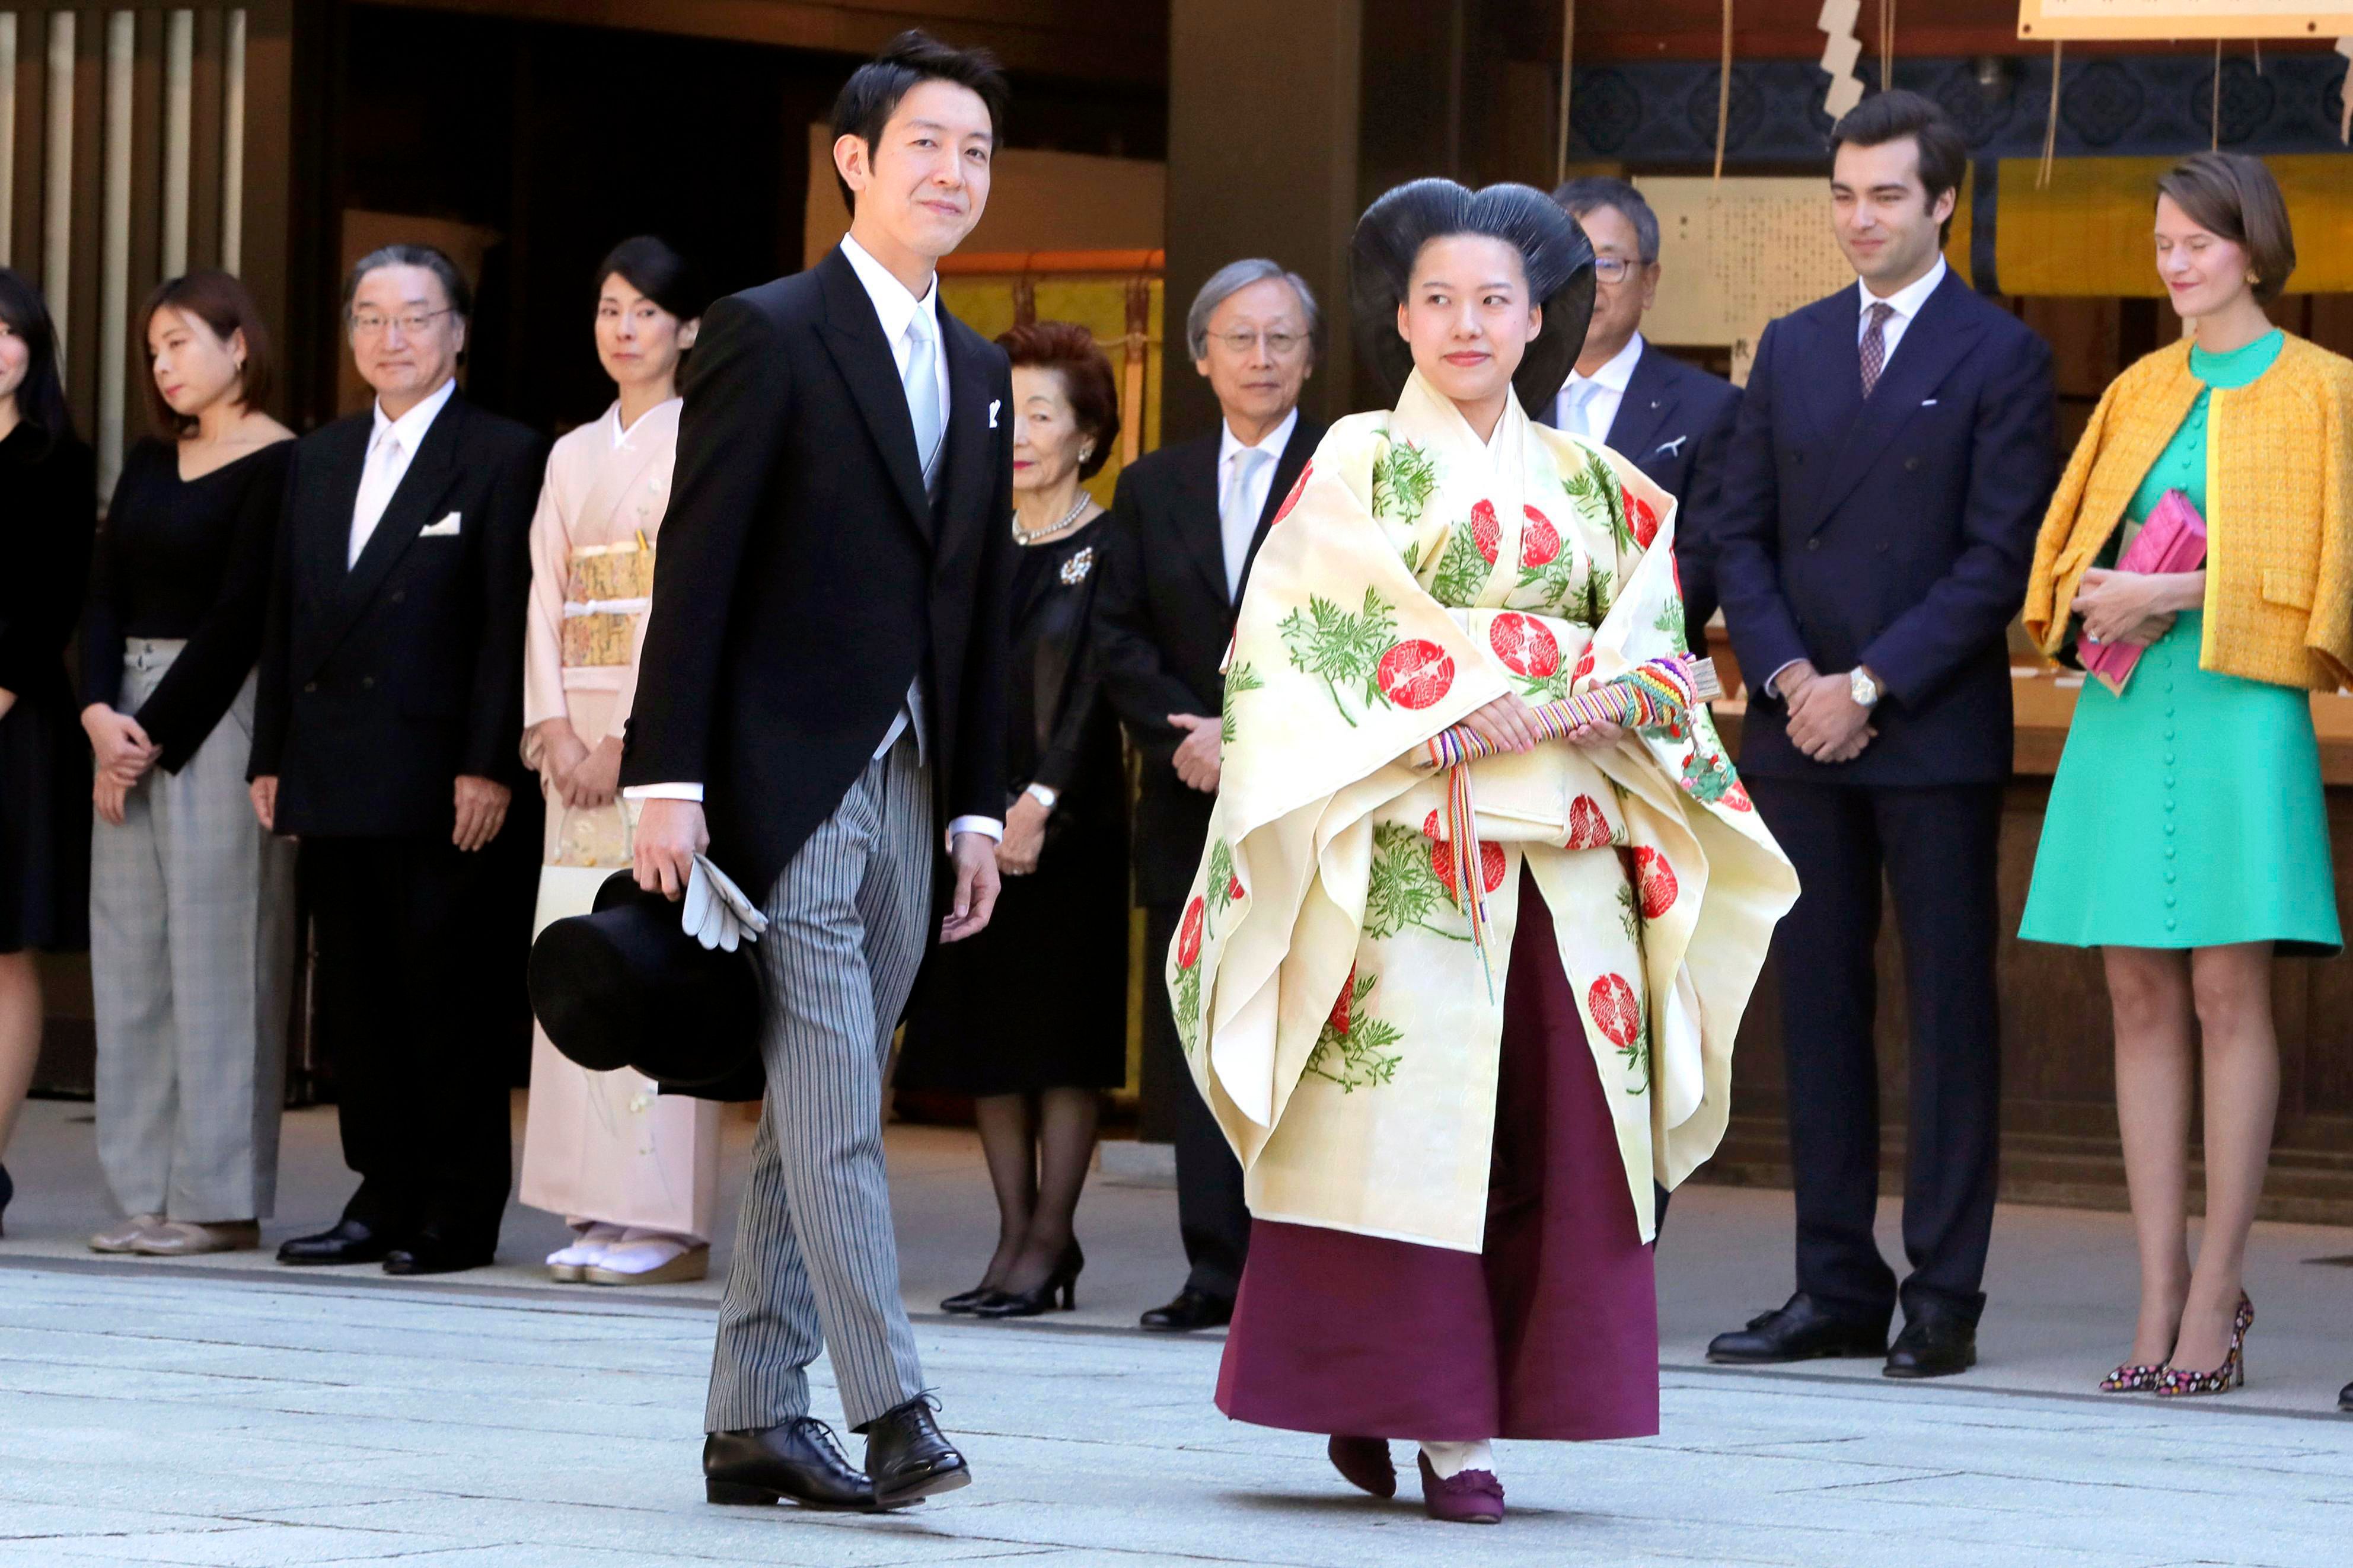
point(922, 381)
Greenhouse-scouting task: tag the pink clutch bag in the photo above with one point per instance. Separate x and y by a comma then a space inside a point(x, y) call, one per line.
point(2172, 540)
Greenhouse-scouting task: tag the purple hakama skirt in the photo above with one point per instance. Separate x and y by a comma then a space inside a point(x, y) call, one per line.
point(1551, 1332)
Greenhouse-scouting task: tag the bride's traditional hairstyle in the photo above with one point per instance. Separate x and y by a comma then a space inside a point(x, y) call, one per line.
point(1553, 249)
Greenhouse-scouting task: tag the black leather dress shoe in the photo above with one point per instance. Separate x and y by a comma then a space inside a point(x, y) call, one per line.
point(1800, 1331)
point(350, 1241)
point(1933, 1346)
point(908, 1459)
point(799, 1460)
point(2345, 1399)
point(435, 1251)
point(1191, 1309)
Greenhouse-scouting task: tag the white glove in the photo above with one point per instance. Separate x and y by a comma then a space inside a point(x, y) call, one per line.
point(715, 912)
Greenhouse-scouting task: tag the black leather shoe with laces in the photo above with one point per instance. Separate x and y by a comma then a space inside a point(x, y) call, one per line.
point(799, 1460)
point(1803, 1329)
point(908, 1459)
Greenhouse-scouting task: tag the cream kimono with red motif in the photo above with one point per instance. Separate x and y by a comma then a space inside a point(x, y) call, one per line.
point(1338, 1017)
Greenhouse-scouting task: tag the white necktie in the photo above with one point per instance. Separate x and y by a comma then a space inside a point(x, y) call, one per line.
point(922, 384)
point(1237, 518)
point(379, 476)
point(1580, 405)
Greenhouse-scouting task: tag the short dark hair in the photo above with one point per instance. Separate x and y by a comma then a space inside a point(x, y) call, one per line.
point(872, 95)
point(1898, 114)
point(1069, 349)
point(41, 396)
point(654, 267)
point(1580, 196)
point(454, 287)
point(225, 309)
point(2234, 196)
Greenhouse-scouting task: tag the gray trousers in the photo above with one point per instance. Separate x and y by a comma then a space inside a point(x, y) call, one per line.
point(817, 1264)
point(191, 952)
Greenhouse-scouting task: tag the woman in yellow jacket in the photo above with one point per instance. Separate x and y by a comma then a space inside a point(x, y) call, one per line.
point(2187, 834)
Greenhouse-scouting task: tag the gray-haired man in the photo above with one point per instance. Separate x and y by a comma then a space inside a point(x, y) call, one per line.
point(1671, 420)
point(1185, 525)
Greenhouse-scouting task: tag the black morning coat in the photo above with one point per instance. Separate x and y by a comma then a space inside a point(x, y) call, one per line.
point(382, 680)
point(1162, 625)
point(1894, 534)
point(804, 578)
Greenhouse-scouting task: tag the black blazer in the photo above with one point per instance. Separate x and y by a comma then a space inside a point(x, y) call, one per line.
point(382, 681)
point(1894, 534)
point(1673, 424)
point(1162, 624)
point(804, 579)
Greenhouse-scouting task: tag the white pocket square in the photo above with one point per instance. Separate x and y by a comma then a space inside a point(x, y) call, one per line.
point(1675, 447)
point(994, 405)
point(445, 528)
point(1928, 403)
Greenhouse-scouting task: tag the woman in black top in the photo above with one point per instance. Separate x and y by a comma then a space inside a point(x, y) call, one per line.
point(1030, 1017)
point(48, 505)
point(191, 902)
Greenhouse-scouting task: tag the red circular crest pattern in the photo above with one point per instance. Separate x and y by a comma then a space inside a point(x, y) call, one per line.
point(1615, 1011)
point(1415, 673)
point(1525, 645)
point(1188, 935)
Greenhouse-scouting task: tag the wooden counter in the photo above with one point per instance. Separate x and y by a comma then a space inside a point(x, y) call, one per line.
point(2058, 1083)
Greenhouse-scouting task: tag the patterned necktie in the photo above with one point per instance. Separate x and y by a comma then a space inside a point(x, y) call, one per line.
point(922, 385)
point(1874, 344)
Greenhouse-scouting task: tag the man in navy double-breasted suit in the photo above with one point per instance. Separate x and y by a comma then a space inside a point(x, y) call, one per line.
point(1668, 418)
point(1880, 495)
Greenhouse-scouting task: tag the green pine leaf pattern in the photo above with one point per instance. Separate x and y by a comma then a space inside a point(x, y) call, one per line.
point(1599, 594)
point(1629, 912)
point(1555, 583)
point(1637, 1052)
point(1362, 1055)
point(1188, 1008)
point(1403, 476)
point(1240, 680)
point(1670, 622)
point(1221, 877)
point(1595, 488)
point(1404, 888)
point(1340, 650)
point(1461, 570)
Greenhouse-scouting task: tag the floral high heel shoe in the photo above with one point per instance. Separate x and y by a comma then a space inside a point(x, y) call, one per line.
point(2131, 1377)
point(2175, 1384)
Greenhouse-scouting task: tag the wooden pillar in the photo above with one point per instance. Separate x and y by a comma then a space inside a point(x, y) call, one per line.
point(1262, 136)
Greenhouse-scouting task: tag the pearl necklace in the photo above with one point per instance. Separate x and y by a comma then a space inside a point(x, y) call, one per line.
point(1023, 536)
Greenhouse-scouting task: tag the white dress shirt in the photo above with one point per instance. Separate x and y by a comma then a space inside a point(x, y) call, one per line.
point(1608, 385)
point(1239, 525)
point(896, 309)
point(1904, 304)
point(390, 450)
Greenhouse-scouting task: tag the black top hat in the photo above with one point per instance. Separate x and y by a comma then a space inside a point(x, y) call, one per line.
point(624, 985)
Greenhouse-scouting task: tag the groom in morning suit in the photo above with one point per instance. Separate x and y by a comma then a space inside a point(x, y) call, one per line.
point(1887, 473)
point(822, 689)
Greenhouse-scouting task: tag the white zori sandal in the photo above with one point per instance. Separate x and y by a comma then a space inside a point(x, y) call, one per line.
point(566, 1265)
point(649, 1257)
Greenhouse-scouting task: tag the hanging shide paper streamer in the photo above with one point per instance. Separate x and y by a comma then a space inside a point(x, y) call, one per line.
point(1840, 53)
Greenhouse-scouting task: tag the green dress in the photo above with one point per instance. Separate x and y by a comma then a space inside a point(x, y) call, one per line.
point(2188, 812)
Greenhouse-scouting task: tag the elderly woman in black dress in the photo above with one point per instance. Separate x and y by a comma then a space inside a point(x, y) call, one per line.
point(48, 511)
point(1029, 1016)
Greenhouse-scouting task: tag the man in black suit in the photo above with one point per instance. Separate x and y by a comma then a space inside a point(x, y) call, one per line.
point(823, 686)
point(1670, 419)
point(389, 711)
point(1185, 526)
point(1880, 496)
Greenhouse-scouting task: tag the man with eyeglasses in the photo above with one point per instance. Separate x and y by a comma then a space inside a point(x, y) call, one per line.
point(1184, 528)
point(1673, 419)
point(389, 708)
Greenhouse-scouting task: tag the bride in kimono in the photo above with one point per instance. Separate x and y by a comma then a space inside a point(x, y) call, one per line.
point(634, 1171)
point(1456, 1025)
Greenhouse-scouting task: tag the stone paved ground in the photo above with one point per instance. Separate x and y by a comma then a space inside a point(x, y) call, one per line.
point(186, 1419)
point(223, 1411)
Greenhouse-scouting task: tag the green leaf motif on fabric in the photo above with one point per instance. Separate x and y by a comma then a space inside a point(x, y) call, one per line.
point(1637, 1053)
point(1241, 681)
point(1555, 583)
point(1403, 476)
point(1461, 570)
point(1594, 488)
point(1670, 622)
point(1403, 887)
point(1629, 913)
point(1599, 593)
point(1188, 997)
point(1356, 1050)
point(1340, 650)
point(1221, 877)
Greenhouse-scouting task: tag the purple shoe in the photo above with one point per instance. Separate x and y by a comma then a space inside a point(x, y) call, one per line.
point(1467, 1497)
point(1363, 1463)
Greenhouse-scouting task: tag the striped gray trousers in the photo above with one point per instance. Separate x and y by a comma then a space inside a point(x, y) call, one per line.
point(817, 1265)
